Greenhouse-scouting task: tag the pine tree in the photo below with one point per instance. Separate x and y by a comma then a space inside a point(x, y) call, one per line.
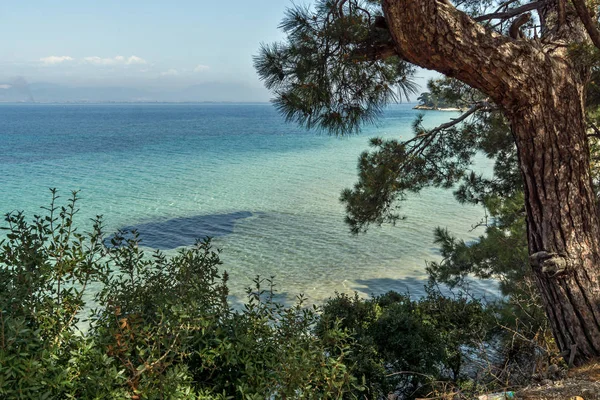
point(531, 63)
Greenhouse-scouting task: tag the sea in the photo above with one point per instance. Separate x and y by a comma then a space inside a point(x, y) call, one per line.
point(266, 191)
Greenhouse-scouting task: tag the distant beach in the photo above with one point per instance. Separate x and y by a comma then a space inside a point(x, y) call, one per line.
point(427, 108)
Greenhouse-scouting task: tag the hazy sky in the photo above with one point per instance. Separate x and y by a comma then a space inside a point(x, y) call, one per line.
point(149, 43)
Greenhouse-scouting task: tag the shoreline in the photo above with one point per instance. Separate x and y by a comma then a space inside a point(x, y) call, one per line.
point(427, 108)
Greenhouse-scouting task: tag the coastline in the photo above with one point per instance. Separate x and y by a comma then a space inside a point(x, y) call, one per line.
point(427, 108)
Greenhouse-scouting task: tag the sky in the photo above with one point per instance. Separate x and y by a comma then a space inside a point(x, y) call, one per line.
point(151, 44)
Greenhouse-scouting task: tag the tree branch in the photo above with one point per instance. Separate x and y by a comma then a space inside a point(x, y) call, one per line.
point(341, 7)
point(510, 13)
point(481, 105)
point(588, 21)
point(596, 133)
point(504, 5)
point(562, 13)
point(374, 52)
point(515, 28)
point(474, 108)
point(437, 36)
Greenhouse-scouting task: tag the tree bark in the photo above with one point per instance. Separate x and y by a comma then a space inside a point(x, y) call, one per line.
point(542, 94)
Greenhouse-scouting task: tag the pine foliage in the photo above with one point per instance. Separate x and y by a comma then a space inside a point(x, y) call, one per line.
point(326, 75)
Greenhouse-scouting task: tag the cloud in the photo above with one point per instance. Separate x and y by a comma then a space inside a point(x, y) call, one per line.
point(201, 68)
point(52, 60)
point(118, 60)
point(171, 72)
point(99, 61)
point(135, 60)
point(5, 86)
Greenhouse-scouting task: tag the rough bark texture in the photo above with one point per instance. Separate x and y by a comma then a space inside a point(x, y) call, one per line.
point(542, 95)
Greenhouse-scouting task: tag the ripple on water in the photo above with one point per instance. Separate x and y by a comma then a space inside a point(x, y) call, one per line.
point(267, 191)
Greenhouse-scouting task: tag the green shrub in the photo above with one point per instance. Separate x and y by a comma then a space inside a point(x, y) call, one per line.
point(157, 327)
point(269, 349)
point(160, 327)
point(45, 270)
point(403, 345)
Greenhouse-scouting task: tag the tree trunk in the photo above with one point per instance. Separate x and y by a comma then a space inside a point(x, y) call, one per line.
point(562, 217)
point(542, 94)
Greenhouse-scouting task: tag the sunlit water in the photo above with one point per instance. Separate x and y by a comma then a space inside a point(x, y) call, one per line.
point(268, 192)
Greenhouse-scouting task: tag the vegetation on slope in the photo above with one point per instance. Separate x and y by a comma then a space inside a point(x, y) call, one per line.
point(86, 318)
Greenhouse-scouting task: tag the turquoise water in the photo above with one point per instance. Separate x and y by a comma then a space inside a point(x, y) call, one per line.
point(265, 190)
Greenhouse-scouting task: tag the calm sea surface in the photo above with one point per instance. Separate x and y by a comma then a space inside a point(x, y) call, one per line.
point(268, 192)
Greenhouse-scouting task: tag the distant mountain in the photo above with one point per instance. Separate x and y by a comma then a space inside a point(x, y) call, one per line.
point(53, 93)
point(56, 93)
point(15, 93)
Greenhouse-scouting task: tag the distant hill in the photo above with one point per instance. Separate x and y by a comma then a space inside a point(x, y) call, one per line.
point(53, 93)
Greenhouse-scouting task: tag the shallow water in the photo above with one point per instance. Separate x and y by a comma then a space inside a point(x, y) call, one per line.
point(268, 192)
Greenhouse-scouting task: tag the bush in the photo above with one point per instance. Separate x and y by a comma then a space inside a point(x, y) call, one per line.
point(403, 345)
point(269, 349)
point(159, 328)
point(45, 270)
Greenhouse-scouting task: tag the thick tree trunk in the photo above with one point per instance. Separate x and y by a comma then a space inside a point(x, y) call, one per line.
point(542, 95)
point(562, 218)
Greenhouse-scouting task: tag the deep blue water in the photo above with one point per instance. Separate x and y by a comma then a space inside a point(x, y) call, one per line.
point(265, 190)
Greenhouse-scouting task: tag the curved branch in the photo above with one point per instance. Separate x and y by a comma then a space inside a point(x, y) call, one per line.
point(515, 29)
point(510, 13)
point(437, 36)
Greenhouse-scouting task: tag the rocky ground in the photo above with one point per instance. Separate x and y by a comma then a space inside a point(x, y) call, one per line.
point(580, 384)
